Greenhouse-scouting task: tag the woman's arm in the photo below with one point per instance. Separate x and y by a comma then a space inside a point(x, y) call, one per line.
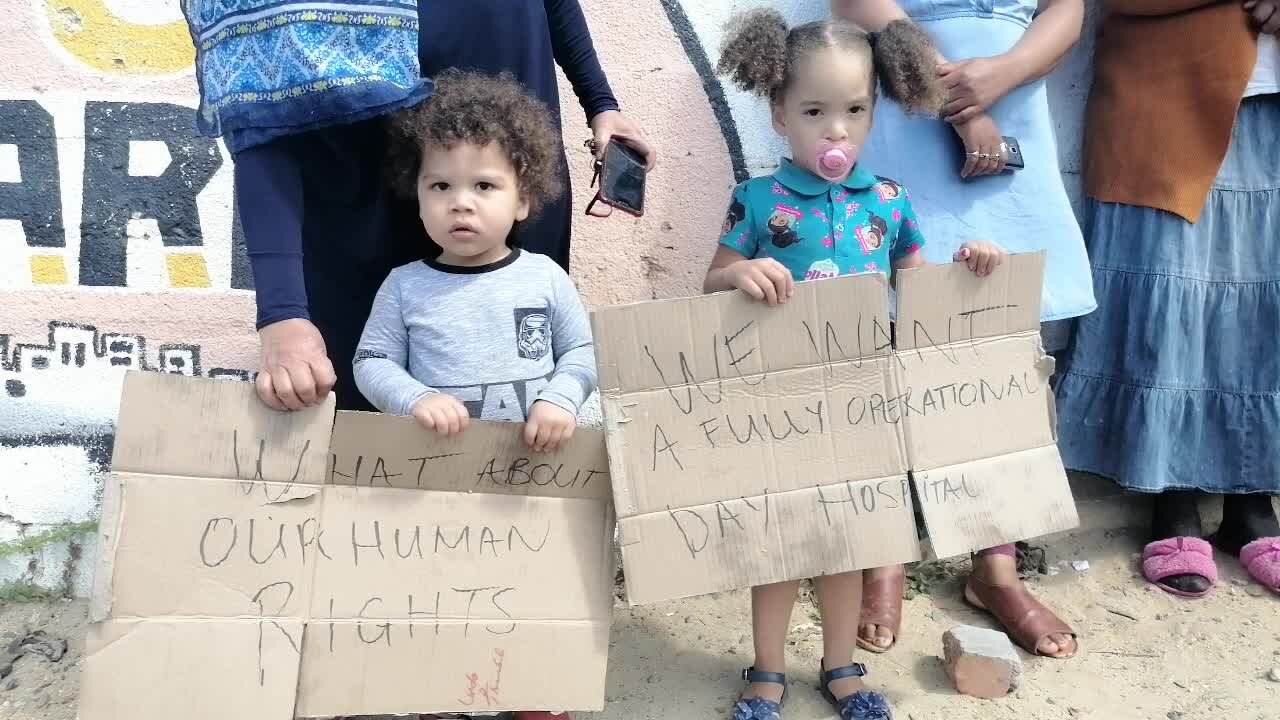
point(575, 53)
point(295, 370)
point(1154, 7)
point(974, 85)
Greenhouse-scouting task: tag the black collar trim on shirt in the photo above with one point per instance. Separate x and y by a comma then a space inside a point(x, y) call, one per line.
point(478, 269)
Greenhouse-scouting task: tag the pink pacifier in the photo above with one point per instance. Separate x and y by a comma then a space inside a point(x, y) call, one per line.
point(833, 163)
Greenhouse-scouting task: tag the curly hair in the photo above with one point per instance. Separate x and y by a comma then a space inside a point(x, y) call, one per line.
point(760, 53)
point(476, 109)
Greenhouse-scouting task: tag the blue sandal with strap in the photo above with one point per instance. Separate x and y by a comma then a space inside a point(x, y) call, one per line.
point(758, 708)
point(861, 705)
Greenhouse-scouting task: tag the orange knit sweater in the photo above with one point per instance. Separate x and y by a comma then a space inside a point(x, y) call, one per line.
point(1169, 76)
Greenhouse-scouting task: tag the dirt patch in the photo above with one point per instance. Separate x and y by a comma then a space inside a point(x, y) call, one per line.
point(1145, 655)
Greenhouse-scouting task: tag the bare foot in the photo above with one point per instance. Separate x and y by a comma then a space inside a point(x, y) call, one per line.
point(882, 636)
point(1002, 571)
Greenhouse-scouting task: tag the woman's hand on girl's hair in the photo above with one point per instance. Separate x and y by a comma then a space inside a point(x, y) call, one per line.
point(763, 279)
point(613, 124)
point(973, 86)
point(1265, 15)
point(982, 257)
point(983, 154)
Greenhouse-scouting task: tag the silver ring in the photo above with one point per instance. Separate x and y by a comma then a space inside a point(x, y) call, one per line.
point(974, 154)
point(989, 156)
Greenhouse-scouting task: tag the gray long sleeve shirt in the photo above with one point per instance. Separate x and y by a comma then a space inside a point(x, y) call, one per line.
point(497, 337)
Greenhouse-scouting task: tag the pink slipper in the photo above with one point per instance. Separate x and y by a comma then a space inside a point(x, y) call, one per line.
point(1181, 556)
point(1262, 559)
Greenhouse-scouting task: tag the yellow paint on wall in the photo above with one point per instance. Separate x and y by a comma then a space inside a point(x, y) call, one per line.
point(48, 270)
point(187, 270)
point(103, 41)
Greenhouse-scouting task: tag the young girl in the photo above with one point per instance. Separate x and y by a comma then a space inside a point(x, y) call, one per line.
point(482, 330)
point(821, 215)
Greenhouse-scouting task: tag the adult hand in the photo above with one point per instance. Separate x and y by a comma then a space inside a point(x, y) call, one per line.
point(295, 371)
point(613, 124)
point(983, 154)
point(973, 86)
point(1265, 14)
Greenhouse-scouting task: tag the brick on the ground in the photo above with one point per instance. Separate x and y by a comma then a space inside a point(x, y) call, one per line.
point(981, 663)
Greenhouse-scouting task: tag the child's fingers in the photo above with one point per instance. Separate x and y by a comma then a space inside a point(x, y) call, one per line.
point(462, 416)
point(962, 254)
point(569, 429)
point(987, 263)
point(780, 278)
point(531, 433)
point(766, 286)
point(749, 286)
point(545, 431)
point(554, 439)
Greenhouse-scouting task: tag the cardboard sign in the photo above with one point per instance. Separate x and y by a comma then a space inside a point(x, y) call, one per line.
point(751, 444)
point(248, 569)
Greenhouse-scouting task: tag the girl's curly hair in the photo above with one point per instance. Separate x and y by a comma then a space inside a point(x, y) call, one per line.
point(760, 53)
point(476, 109)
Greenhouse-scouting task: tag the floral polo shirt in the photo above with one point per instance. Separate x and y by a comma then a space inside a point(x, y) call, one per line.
point(820, 229)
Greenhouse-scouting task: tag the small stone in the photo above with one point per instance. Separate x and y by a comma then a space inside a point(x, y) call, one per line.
point(1080, 565)
point(41, 701)
point(1255, 591)
point(12, 684)
point(1174, 715)
point(1239, 582)
point(981, 663)
point(1274, 675)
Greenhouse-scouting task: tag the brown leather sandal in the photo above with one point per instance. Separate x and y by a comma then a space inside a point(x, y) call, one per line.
point(1023, 617)
point(882, 605)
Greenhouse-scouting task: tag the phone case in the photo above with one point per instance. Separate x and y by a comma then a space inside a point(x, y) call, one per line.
point(1012, 163)
point(622, 178)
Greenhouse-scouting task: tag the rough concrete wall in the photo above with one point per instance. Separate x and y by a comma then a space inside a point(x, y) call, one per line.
point(119, 248)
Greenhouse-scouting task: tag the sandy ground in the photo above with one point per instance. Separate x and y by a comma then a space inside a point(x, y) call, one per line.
point(1145, 655)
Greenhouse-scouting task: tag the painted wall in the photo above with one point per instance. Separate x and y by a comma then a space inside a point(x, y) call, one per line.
point(119, 246)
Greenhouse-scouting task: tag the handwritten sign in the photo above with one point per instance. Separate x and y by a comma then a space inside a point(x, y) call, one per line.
point(333, 587)
point(752, 444)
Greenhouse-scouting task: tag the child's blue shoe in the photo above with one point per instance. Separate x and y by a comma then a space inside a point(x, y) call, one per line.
point(861, 705)
point(758, 708)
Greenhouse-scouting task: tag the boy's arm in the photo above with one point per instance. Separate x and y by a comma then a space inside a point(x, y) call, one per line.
point(574, 378)
point(383, 356)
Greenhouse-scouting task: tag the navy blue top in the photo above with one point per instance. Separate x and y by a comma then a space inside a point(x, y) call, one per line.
point(325, 187)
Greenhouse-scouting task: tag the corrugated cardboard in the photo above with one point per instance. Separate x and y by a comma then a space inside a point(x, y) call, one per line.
point(752, 444)
point(734, 459)
point(980, 427)
point(442, 575)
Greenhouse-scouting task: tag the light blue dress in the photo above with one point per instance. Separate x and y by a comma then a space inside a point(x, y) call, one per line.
point(1022, 211)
